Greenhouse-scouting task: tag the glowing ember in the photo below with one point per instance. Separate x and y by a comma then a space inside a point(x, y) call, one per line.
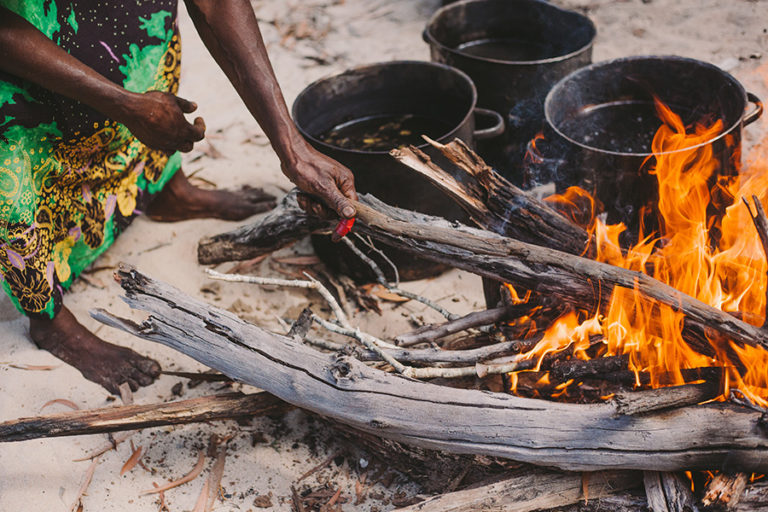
point(707, 248)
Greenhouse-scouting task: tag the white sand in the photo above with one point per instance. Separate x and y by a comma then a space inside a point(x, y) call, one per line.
point(40, 475)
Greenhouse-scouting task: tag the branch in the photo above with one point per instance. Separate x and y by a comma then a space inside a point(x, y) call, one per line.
point(477, 319)
point(761, 225)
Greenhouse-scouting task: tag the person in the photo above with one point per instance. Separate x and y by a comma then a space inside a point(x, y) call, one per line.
point(90, 130)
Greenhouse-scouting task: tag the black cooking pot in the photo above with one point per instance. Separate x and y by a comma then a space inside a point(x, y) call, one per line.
point(443, 102)
point(600, 121)
point(514, 51)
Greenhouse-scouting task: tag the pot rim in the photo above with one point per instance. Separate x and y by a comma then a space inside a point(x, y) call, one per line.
point(432, 40)
point(366, 67)
point(587, 69)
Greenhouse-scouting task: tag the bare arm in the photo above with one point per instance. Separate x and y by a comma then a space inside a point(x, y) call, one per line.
point(230, 31)
point(156, 118)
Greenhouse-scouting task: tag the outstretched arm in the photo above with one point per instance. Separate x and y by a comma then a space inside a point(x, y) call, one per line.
point(230, 31)
point(155, 118)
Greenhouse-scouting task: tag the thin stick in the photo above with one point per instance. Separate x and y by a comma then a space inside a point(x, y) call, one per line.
point(369, 243)
point(312, 284)
point(84, 486)
point(761, 225)
point(394, 289)
point(370, 342)
point(479, 318)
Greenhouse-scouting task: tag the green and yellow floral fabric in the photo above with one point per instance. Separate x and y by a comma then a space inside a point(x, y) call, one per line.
point(70, 179)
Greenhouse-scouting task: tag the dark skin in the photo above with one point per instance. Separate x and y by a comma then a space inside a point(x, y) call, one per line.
point(230, 32)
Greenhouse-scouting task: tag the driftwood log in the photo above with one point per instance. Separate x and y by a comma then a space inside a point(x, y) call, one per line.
point(567, 436)
point(134, 417)
point(575, 280)
point(531, 490)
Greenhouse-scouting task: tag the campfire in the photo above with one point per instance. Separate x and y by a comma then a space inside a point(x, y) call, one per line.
point(707, 250)
point(644, 358)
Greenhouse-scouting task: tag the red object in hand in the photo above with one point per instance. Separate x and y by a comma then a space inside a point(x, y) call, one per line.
point(343, 228)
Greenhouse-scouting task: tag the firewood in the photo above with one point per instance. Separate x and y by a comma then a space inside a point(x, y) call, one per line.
point(668, 492)
point(531, 490)
point(631, 403)
point(575, 280)
point(479, 318)
point(133, 417)
point(724, 492)
point(569, 436)
point(494, 203)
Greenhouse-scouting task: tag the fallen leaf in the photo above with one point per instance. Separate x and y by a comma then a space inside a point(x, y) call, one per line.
point(385, 294)
point(214, 479)
point(186, 478)
point(335, 498)
point(132, 460)
point(62, 401)
point(200, 505)
point(34, 368)
point(585, 486)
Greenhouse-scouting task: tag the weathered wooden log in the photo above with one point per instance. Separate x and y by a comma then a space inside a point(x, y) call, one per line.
point(568, 436)
point(724, 492)
point(494, 203)
point(668, 492)
point(575, 280)
point(531, 490)
point(629, 404)
point(283, 226)
point(133, 417)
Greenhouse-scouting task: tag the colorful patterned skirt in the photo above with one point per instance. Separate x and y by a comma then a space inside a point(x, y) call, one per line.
point(70, 179)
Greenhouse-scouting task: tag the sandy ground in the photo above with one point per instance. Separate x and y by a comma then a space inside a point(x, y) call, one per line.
point(41, 474)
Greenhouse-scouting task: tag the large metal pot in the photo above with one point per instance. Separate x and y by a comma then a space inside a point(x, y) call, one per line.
point(393, 88)
point(600, 121)
point(514, 51)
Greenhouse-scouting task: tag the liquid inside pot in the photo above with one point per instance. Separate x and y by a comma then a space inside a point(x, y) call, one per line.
point(507, 49)
point(385, 132)
point(624, 127)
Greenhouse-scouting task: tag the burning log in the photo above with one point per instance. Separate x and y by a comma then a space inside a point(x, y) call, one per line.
point(575, 280)
point(568, 436)
point(724, 492)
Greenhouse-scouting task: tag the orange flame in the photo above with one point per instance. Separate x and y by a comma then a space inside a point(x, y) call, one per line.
point(707, 248)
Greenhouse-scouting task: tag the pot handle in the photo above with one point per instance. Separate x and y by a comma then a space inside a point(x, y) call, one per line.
point(755, 114)
point(495, 130)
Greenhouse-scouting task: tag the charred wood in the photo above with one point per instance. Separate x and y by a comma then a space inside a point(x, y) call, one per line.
point(568, 436)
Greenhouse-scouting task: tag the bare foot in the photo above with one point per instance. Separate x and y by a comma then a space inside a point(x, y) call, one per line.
point(98, 361)
point(180, 200)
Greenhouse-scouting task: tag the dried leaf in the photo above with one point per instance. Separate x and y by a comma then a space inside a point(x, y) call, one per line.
point(306, 260)
point(585, 486)
point(335, 498)
point(214, 479)
point(200, 505)
point(385, 294)
point(77, 505)
point(132, 460)
point(34, 368)
point(62, 401)
point(186, 478)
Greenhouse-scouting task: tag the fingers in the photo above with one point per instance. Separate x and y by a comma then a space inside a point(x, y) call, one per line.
point(186, 106)
point(198, 129)
point(340, 203)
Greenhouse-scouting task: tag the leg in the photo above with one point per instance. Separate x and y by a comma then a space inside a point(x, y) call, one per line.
point(180, 200)
point(98, 361)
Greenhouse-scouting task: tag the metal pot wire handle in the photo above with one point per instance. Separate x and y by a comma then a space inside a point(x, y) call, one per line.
point(495, 130)
point(755, 114)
